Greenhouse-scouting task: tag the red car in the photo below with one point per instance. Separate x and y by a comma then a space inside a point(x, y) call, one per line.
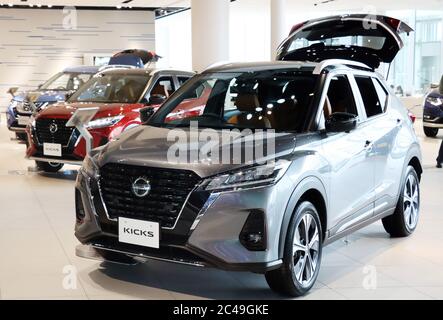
point(118, 93)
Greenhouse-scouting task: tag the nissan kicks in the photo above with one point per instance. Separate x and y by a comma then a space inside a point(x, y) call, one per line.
point(56, 89)
point(118, 94)
point(282, 159)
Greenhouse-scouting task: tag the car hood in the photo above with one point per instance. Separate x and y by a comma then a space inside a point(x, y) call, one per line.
point(50, 96)
point(149, 146)
point(66, 110)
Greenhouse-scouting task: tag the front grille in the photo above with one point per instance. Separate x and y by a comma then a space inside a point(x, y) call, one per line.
point(62, 135)
point(169, 190)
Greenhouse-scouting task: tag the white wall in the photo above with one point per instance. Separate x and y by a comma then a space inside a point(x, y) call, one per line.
point(35, 43)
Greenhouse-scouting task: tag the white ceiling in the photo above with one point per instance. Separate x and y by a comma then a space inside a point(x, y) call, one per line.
point(326, 5)
point(101, 3)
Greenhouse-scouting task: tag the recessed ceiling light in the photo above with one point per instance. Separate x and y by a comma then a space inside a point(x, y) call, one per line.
point(118, 7)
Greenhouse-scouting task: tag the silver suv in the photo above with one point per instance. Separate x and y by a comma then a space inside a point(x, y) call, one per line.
point(300, 154)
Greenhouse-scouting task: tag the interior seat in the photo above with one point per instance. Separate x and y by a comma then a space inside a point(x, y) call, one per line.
point(248, 104)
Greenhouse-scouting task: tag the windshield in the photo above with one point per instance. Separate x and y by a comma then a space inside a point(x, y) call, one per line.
point(66, 81)
point(112, 88)
point(273, 99)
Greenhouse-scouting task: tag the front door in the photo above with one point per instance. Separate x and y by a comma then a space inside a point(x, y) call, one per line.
point(351, 173)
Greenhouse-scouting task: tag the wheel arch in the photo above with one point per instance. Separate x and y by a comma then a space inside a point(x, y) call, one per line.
point(309, 189)
point(416, 164)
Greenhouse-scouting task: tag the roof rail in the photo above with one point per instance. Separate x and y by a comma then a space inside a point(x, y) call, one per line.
point(331, 62)
point(116, 66)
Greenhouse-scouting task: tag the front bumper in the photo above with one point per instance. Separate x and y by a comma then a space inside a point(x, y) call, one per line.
point(12, 120)
point(215, 241)
point(73, 152)
point(433, 116)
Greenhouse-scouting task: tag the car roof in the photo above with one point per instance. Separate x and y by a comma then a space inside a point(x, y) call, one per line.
point(139, 71)
point(83, 69)
point(314, 67)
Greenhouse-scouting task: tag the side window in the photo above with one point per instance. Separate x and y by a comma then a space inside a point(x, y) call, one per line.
point(369, 95)
point(382, 94)
point(340, 97)
point(182, 80)
point(164, 87)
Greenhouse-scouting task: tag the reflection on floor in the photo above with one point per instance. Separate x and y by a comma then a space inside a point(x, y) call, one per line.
point(38, 250)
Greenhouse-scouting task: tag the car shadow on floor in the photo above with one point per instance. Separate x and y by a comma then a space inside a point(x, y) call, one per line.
point(70, 175)
point(182, 282)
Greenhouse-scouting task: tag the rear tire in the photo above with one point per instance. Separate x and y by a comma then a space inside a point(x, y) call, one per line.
point(50, 167)
point(430, 132)
point(405, 218)
point(302, 254)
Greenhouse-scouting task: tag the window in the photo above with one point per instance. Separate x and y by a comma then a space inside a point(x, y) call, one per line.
point(340, 97)
point(112, 88)
point(164, 87)
point(182, 80)
point(66, 81)
point(370, 97)
point(382, 94)
point(271, 99)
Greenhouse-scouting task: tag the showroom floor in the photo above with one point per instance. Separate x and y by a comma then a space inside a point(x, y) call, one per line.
point(37, 250)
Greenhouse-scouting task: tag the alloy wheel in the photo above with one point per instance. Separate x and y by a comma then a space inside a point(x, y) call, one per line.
point(306, 247)
point(411, 202)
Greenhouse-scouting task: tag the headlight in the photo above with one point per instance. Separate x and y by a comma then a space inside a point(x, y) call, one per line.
point(104, 122)
point(89, 167)
point(435, 101)
point(258, 176)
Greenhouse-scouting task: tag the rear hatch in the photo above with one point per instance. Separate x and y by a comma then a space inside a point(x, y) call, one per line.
point(371, 40)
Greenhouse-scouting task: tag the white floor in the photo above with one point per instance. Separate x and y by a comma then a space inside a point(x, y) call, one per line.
point(37, 250)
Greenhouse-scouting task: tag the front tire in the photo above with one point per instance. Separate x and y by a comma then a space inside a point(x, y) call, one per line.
point(49, 167)
point(430, 132)
point(302, 254)
point(405, 218)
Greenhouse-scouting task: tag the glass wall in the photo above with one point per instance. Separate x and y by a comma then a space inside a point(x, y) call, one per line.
point(420, 63)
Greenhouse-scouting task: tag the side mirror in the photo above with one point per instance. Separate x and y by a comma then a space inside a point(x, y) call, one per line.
point(155, 99)
point(146, 113)
point(12, 91)
point(341, 122)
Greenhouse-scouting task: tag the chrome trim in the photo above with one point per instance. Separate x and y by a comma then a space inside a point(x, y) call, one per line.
point(432, 125)
point(172, 260)
point(212, 198)
point(164, 228)
point(17, 129)
point(333, 62)
point(63, 161)
point(64, 146)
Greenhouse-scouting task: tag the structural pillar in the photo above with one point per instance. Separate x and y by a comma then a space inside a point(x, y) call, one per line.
point(210, 32)
point(278, 25)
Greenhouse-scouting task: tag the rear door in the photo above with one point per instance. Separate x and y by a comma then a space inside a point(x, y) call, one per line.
point(370, 40)
point(381, 130)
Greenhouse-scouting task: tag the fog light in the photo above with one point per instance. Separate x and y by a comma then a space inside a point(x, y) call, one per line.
point(253, 234)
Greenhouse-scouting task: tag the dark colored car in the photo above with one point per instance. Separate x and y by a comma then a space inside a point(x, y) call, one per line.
point(119, 94)
point(56, 89)
point(433, 111)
